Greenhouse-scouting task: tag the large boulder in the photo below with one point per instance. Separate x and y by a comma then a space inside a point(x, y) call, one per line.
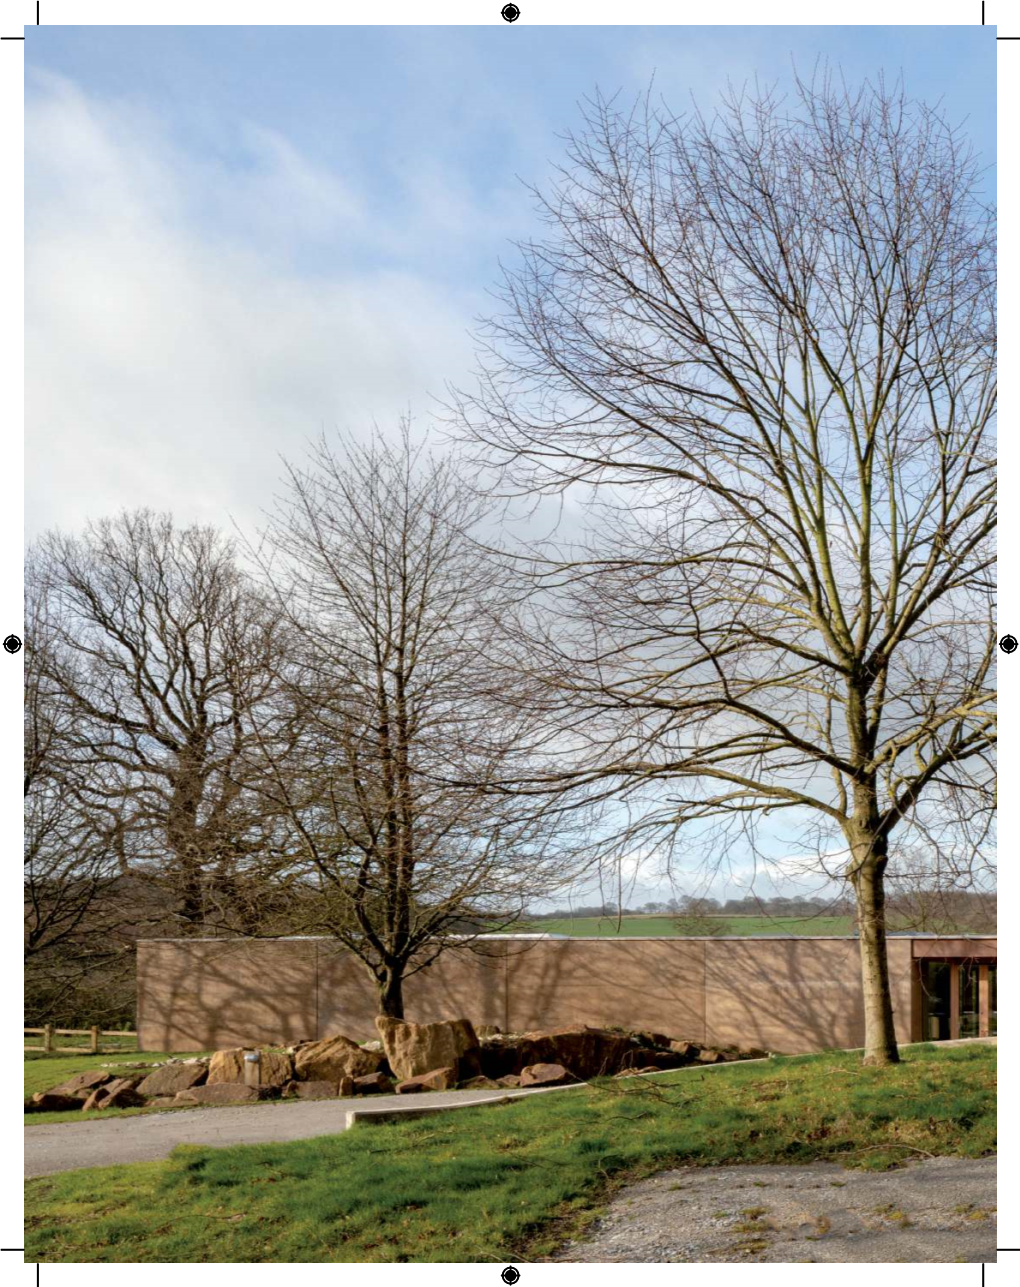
point(333, 1058)
point(226, 1066)
point(82, 1084)
point(376, 1083)
point(586, 1052)
point(437, 1079)
point(275, 1069)
point(416, 1048)
point(171, 1078)
point(545, 1075)
point(312, 1089)
point(221, 1092)
point(48, 1101)
point(119, 1093)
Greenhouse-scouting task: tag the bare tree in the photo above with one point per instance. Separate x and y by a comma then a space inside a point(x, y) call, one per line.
point(166, 650)
point(71, 850)
point(762, 346)
point(386, 754)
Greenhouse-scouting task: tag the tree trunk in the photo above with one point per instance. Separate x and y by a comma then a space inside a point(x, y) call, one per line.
point(391, 992)
point(879, 1032)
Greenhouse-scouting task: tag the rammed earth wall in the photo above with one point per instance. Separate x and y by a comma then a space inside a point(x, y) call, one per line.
point(786, 994)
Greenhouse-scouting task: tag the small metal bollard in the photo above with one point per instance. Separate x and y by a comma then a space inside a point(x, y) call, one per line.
point(251, 1067)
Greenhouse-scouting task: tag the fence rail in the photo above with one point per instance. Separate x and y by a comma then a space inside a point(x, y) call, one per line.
point(94, 1034)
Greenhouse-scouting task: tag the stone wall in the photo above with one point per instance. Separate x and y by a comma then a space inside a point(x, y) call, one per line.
point(786, 994)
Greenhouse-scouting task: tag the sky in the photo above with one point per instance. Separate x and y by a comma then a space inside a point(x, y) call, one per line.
point(239, 237)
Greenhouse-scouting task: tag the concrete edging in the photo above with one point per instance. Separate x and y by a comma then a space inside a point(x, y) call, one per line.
point(377, 1115)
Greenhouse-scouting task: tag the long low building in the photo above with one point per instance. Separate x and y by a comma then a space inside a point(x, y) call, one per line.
point(784, 994)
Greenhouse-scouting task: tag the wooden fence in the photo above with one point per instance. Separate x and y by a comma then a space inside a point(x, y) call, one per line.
point(94, 1034)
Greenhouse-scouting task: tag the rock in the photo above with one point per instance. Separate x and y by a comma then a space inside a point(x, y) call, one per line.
point(586, 1052)
point(435, 1079)
point(312, 1089)
point(545, 1075)
point(376, 1083)
point(119, 1093)
point(416, 1048)
point(654, 1039)
point(226, 1066)
point(171, 1078)
point(160, 1101)
point(221, 1092)
point(688, 1049)
point(345, 1087)
point(275, 1069)
point(333, 1058)
point(86, 1081)
point(413, 1086)
point(372, 1045)
point(710, 1057)
point(485, 1030)
point(479, 1083)
point(510, 1081)
point(48, 1101)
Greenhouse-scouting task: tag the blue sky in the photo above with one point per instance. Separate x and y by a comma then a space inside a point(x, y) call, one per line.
point(238, 236)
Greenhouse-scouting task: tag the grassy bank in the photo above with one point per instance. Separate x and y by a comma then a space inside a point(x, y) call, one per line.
point(509, 1182)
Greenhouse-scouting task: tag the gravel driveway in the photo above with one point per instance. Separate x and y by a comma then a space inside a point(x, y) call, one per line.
point(938, 1210)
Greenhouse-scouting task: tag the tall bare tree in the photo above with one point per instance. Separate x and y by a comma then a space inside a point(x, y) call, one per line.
point(401, 843)
point(762, 345)
point(166, 650)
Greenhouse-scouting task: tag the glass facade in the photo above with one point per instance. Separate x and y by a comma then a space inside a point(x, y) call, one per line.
point(959, 998)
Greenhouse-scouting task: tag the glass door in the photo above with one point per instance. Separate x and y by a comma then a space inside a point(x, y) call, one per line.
point(935, 1000)
point(969, 999)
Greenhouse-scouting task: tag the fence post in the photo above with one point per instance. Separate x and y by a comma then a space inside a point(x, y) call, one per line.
point(94, 1034)
point(47, 1041)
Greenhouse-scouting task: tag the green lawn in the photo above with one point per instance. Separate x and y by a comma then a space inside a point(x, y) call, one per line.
point(509, 1182)
point(664, 926)
point(42, 1072)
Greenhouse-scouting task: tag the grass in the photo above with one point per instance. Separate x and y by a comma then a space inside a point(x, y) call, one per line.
point(509, 1182)
point(664, 926)
point(43, 1072)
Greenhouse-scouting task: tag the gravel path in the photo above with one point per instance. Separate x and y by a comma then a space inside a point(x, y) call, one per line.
point(68, 1146)
point(938, 1210)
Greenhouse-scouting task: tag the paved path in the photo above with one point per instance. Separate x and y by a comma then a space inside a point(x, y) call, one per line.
point(938, 1210)
point(68, 1146)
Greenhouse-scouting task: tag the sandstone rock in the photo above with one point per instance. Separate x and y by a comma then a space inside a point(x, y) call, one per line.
point(311, 1089)
point(413, 1086)
point(345, 1088)
point(48, 1101)
point(416, 1048)
point(586, 1052)
point(85, 1081)
point(484, 1030)
point(376, 1083)
point(545, 1075)
point(654, 1039)
point(436, 1079)
point(221, 1092)
point(160, 1101)
point(119, 1093)
point(479, 1083)
point(275, 1069)
point(710, 1057)
point(171, 1078)
point(510, 1081)
point(688, 1049)
point(333, 1058)
point(226, 1066)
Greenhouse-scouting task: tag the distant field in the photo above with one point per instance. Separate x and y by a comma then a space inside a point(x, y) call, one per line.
point(664, 927)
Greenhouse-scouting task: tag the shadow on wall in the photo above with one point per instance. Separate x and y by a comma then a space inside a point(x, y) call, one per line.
point(782, 994)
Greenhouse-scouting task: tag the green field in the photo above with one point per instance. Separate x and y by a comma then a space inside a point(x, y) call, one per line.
point(509, 1182)
point(665, 926)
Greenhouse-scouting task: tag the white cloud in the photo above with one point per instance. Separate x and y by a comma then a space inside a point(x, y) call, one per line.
point(176, 341)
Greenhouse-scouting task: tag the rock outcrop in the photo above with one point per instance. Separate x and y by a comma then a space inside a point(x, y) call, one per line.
point(171, 1078)
point(333, 1058)
point(119, 1093)
point(416, 1048)
point(545, 1075)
